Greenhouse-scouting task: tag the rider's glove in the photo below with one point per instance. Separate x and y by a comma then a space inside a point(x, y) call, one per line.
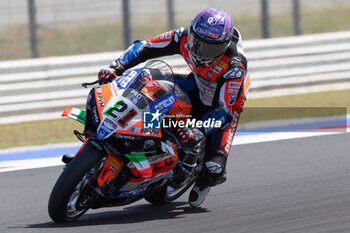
point(185, 134)
point(106, 75)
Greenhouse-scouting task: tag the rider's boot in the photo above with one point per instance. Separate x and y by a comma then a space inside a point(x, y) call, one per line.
point(213, 174)
point(198, 195)
point(191, 149)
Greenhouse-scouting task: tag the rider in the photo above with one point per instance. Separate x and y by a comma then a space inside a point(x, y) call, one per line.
point(212, 48)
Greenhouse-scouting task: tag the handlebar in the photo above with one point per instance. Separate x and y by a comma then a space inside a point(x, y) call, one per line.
point(89, 84)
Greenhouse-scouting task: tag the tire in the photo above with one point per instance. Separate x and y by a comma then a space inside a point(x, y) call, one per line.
point(167, 194)
point(70, 181)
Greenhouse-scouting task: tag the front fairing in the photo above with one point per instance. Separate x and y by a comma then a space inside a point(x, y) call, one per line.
point(125, 103)
point(120, 115)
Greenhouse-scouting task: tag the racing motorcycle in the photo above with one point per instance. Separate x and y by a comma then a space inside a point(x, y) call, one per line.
point(127, 154)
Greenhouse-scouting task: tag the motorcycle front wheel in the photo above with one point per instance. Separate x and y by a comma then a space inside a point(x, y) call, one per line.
point(72, 194)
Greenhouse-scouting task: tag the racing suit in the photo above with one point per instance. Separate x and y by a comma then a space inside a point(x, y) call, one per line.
point(219, 91)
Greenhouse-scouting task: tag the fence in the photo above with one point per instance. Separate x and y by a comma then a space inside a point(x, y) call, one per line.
point(127, 28)
point(38, 89)
point(43, 28)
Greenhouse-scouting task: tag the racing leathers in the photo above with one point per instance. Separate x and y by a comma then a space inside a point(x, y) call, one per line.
point(219, 90)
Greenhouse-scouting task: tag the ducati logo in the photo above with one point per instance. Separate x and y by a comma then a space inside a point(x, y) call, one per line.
point(209, 75)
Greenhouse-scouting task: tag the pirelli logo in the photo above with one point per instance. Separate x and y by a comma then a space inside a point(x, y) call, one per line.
point(221, 64)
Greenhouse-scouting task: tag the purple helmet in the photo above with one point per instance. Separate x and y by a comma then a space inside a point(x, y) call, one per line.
point(210, 35)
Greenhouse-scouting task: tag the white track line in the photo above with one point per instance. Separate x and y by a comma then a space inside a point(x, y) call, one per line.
point(240, 139)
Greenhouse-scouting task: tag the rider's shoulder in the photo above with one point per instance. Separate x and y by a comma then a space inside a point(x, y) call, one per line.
point(179, 33)
point(231, 51)
point(182, 31)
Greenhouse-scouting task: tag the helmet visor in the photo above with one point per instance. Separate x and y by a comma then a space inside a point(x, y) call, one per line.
point(204, 51)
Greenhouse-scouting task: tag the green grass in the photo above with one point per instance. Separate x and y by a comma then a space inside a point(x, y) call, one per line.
point(14, 43)
point(279, 113)
point(297, 106)
point(318, 99)
point(38, 133)
point(334, 19)
point(56, 131)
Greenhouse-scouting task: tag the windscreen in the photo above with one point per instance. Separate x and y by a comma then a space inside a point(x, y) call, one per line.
point(155, 81)
point(142, 93)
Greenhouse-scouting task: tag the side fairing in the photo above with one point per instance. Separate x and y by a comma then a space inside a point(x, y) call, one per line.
point(92, 118)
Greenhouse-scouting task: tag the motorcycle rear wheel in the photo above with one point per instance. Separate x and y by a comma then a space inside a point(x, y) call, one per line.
point(72, 194)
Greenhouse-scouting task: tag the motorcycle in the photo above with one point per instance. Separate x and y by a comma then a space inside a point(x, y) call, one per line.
point(127, 154)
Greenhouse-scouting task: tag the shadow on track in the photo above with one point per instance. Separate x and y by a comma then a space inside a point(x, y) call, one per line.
point(128, 215)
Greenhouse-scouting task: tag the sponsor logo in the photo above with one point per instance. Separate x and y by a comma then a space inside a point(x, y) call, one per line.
point(221, 64)
point(232, 99)
point(132, 193)
point(99, 90)
point(124, 136)
point(106, 128)
point(212, 21)
point(148, 144)
point(95, 114)
point(127, 79)
point(95, 144)
point(207, 33)
point(146, 182)
point(134, 96)
point(231, 132)
point(232, 91)
point(168, 35)
point(164, 104)
point(209, 75)
point(99, 96)
point(100, 101)
point(110, 123)
point(217, 69)
point(151, 132)
point(101, 134)
point(135, 130)
point(114, 88)
point(131, 187)
point(234, 85)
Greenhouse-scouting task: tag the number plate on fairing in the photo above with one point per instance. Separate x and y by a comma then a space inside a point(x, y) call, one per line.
point(119, 114)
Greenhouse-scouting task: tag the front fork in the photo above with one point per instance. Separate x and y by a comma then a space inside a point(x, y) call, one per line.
point(111, 168)
point(67, 158)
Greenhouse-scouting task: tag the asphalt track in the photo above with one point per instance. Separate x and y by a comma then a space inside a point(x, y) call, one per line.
point(298, 185)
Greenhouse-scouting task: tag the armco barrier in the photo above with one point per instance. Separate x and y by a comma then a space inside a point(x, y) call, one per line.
point(38, 89)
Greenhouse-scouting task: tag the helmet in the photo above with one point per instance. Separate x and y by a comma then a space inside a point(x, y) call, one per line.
point(209, 36)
